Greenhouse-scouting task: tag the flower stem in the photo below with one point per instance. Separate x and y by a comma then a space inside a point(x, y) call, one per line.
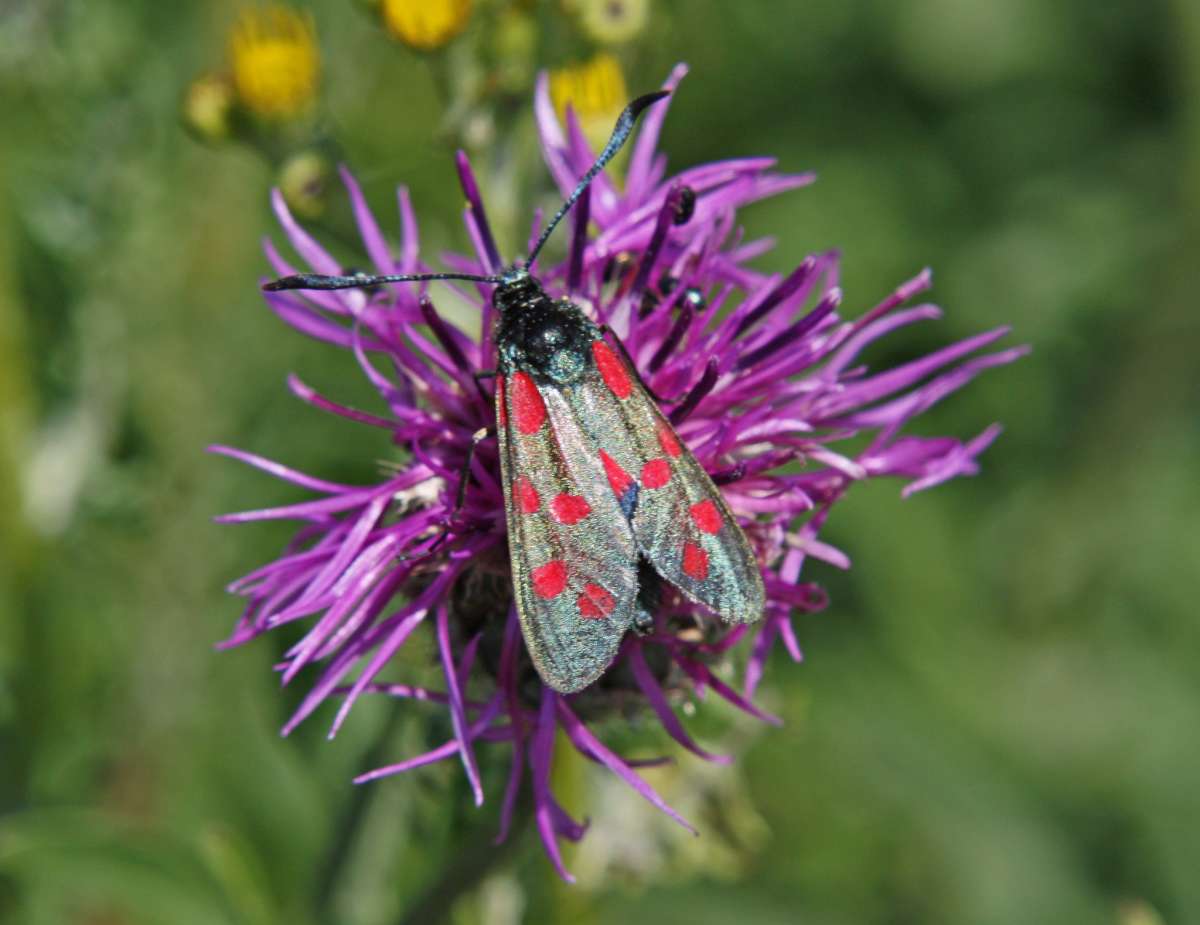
point(348, 824)
point(465, 871)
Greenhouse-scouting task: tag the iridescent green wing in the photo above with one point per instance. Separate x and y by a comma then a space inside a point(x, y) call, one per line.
point(574, 560)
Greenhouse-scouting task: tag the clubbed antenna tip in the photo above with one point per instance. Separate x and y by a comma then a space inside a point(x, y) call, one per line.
point(621, 133)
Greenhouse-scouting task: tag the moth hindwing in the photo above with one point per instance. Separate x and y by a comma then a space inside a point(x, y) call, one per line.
point(595, 478)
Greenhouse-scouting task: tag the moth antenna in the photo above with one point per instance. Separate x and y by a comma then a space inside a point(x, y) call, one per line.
point(361, 280)
point(621, 132)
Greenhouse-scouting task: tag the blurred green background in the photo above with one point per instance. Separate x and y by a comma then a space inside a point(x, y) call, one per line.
point(999, 717)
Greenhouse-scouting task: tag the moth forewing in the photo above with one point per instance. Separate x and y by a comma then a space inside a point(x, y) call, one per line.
point(680, 521)
point(574, 561)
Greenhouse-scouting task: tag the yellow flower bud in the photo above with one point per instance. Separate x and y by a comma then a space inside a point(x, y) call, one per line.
point(304, 181)
point(276, 62)
point(208, 107)
point(425, 24)
point(612, 21)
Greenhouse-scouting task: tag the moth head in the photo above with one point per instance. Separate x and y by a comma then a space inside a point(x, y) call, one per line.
point(517, 287)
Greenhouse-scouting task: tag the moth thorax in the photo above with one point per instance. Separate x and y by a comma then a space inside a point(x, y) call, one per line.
point(551, 340)
point(555, 345)
point(516, 291)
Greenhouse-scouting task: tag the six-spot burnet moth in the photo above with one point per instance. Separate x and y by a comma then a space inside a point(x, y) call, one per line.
point(596, 481)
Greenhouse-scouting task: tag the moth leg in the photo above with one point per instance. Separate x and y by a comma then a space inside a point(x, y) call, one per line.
point(605, 329)
point(478, 377)
point(464, 475)
point(460, 497)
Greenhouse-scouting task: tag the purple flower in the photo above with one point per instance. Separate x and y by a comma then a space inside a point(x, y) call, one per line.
point(764, 373)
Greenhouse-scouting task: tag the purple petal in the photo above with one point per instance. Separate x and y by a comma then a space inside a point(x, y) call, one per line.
point(373, 240)
point(583, 739)
point(637, 179)
point(756, 664)
point(876, 387)
point(554, 142)
point(458, 715)
point(509, 654)
point(541, 753)
point(349, 548)
point(440, 753)
point(960, 462)
point(309, 321)
point(579, 224)
point(306, 246)
point(700, 673)
point(919, 283)
point(382, 656)
point(305, 510)
point(488, 255)
point(279, 470)
point(930, 393)
point(310, 396)
point(658, 703)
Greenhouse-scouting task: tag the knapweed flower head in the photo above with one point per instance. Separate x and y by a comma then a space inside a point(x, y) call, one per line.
point(763, 377)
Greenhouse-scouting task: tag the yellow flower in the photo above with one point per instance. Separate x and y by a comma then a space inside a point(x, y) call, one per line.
point(596, 91)
point(425, 24)
point(276, 63)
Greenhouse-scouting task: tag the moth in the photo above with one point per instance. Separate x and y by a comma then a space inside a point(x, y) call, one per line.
point(597, 484)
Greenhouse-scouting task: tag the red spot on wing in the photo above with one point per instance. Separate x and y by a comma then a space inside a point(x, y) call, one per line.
point(527, 405)
point(612, 369)
point(501, 407)
point(707, 516)
point(618, 478)
point(594, 602)
point(527, 496)
point(668, 441)
point(569, 509)
point(550, 579)
point(695, 561)
point(656, 473)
